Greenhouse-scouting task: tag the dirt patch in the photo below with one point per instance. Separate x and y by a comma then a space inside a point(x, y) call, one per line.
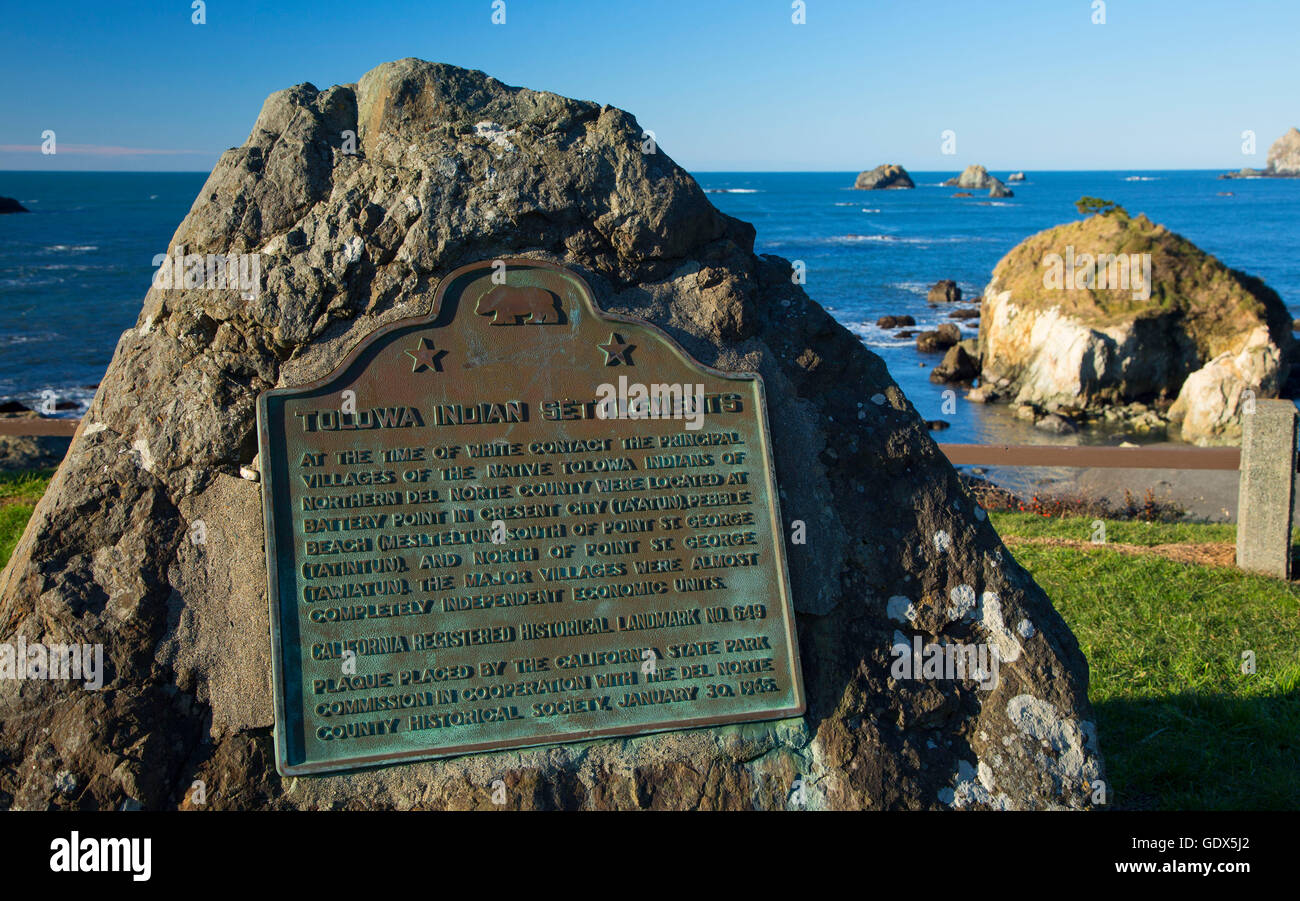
point(1211, 553)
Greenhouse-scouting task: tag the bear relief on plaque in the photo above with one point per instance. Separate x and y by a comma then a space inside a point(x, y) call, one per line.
point(518, 521)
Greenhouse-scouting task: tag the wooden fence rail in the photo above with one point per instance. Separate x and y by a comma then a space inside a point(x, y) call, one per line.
point(35, 427)
point(1091, 456)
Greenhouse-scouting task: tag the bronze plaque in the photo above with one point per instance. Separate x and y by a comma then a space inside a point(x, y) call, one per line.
point(519, 521)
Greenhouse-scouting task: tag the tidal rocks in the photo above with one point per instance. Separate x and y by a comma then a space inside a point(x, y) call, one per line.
point(1016, 176)
point(966, 313)
point(1113, 310)
point(998, 189)
point(894, 321)
point(1056, 424)
point(945, 336)
point(452, 167)
point(10, 205)
point(944, 291)
point(890, 176)
point(957, 366)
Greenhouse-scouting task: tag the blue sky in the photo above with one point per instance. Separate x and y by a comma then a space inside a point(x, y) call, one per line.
point(724, 84)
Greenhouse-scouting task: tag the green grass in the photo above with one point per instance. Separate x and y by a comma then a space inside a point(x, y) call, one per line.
point(1081, 528)
point(1180, 725)
point(19, 493)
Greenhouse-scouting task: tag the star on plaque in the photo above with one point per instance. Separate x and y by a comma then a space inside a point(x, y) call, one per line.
point(425, 356)
point(616, 351)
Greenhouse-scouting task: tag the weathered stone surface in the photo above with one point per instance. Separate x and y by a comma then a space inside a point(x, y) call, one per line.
point(1283, 160)
point(941, 338)
point(972, 178)
point(944, 291)
point(1266, 498)
point(1189, 343)
point(453, 167)
point(957, 366)
point(895, 321)
point(883, 177)
point(998, 189)
point(1284, 155)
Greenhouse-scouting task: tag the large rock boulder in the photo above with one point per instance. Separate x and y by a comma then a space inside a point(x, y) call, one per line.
point(957, 366)
point(452, 166)
point(883, 177)
point(10, 205)
point(1284, 155)
point(972, 178)
point(1283, 160)
point(944, 291)
point(1113, 310)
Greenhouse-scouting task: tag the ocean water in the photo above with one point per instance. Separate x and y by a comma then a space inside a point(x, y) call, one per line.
point(874, 253)
point(74, 272)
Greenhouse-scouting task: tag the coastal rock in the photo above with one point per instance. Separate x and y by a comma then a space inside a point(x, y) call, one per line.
point(453, 167)
point(998, 189)
point(894, 321)
point(1016, 176)
point(1056, 424)
point(1159, 310)
point(967, 313)
point(957, 366)
point(972, 178)
point(10, 205)
point(1283, 160)
point(1284, 155)
point(944, 291)
point(1211, 402)
point(1247, 172)
point(945, 336)
point(883, 177)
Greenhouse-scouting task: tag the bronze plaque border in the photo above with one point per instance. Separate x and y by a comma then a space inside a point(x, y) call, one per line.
point(308, 768)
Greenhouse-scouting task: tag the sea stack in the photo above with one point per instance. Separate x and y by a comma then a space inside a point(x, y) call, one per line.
point(891, 176)
point(1283, 160)
point(451, 167)
point(978, 178)
point(1117, 318)
point(973, 177)
point(10, 205)
point(1284, 155)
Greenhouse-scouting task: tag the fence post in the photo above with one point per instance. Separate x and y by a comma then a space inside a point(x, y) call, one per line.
point(1266, 493)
